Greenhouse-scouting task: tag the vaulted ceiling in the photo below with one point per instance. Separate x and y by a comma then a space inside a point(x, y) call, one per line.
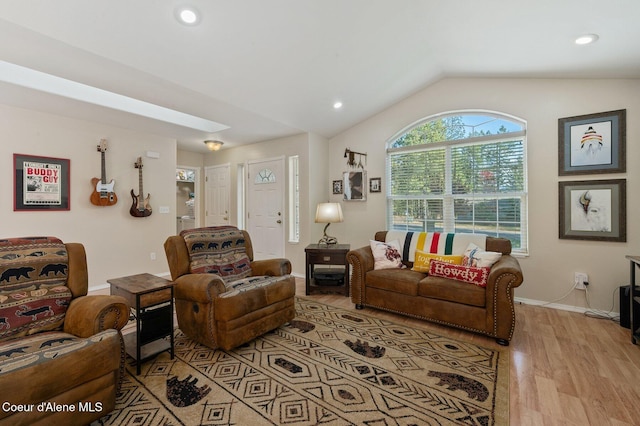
point(272, 68)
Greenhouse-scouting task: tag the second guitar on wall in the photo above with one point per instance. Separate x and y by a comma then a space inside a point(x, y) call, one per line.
point(140, 206)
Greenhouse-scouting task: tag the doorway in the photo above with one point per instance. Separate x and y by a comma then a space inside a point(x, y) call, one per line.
point(187, 198)
point(265, 207)
point(217, 193)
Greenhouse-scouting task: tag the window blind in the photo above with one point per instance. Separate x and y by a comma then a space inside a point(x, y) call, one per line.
point(473, 184)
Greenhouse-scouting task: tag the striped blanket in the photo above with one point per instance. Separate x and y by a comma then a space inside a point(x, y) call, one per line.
point(434, 242)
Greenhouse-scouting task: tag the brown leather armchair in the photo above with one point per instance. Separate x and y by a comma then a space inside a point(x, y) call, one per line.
point(223, 297)
point(61, 351)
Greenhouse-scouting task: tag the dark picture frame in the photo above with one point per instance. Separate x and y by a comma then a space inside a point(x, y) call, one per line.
point(375, 184)
point(41, 183)
point(337, 187)
point(355, 186)
point(593, 143)
point(593, 210)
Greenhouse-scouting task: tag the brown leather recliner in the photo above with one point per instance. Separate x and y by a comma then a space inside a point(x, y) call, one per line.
point(223, 297)
point(61, 351)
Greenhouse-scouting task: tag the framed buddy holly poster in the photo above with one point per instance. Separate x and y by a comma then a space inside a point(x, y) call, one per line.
point(593, 143)
point(40, 183)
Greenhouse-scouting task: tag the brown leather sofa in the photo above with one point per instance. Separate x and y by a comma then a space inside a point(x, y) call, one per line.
point(213, 306)
point(61, 351)
point(487, 310)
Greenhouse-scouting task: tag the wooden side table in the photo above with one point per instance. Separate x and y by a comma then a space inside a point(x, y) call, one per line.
point(327, 254)
point(151, 299)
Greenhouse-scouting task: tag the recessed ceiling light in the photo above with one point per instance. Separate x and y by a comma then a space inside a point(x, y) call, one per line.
point(587, 39)
point(187, 15)
point(337, 105)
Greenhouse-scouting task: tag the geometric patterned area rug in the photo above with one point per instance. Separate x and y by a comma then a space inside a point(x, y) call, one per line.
point(329, 366)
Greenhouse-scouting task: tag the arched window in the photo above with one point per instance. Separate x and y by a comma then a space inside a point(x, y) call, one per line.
point(463, 171)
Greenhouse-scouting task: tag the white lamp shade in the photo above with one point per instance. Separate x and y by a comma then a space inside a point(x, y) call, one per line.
point(329, 213)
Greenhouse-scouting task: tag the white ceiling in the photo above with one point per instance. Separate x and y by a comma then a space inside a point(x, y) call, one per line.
point(271, 68)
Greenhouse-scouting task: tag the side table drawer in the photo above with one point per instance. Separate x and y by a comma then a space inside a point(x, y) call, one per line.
point(327, 258)
point(155, 297)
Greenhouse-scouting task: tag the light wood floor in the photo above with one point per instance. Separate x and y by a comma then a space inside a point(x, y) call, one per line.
point(566, 368)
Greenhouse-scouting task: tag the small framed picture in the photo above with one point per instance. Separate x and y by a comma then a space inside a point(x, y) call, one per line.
point(593, 210)
point(593, 143)
point(337, 187)
point(40, 183)
point(355, 186)
point(375, 184)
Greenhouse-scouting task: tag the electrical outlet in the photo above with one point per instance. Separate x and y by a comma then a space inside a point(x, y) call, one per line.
point(579, 279)
point(152, 255)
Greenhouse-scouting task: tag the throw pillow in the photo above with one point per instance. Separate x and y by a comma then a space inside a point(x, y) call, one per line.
point(386, 255)
point(467, 274)
point(475, 256)
point(423, 259)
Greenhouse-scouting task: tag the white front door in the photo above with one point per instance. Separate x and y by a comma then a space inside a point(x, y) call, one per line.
point(265, 208)
point(217, 190)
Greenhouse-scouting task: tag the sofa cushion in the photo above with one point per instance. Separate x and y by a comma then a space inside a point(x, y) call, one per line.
point(386, 255)
point(33, 285)
point(249, 283)
point(251, 303)
point(433, 242)
point(467, 274)
point(217, 250)
point(403, 281)
point(423, 260)
point(452, 291)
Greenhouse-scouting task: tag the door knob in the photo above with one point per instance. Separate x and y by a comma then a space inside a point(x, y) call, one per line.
point(278, 221)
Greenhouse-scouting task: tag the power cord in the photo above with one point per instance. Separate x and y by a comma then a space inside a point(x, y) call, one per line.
point(591, 312)
point(560, 298)
point(599, 314)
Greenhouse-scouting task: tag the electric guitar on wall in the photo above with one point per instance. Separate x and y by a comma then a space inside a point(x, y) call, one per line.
point(140, 206)
point(103, 194)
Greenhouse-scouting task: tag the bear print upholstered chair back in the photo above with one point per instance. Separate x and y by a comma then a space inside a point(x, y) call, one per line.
point(34, 295)
point(220, 250)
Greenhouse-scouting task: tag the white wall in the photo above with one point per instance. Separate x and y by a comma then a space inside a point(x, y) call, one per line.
point(319, 191)
point(312, 152)
point(549, 268)
point(117, 244)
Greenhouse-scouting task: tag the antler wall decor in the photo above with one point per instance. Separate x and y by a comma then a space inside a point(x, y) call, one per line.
point(351, 158)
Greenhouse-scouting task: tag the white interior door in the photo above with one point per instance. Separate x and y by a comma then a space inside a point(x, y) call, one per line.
point(265, 208)
point(217, 191)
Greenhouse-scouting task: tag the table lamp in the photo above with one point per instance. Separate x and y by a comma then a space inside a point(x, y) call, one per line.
point(328, 213)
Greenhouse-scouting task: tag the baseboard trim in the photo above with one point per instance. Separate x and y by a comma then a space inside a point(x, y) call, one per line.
point(550, 305)
point(559, 306)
